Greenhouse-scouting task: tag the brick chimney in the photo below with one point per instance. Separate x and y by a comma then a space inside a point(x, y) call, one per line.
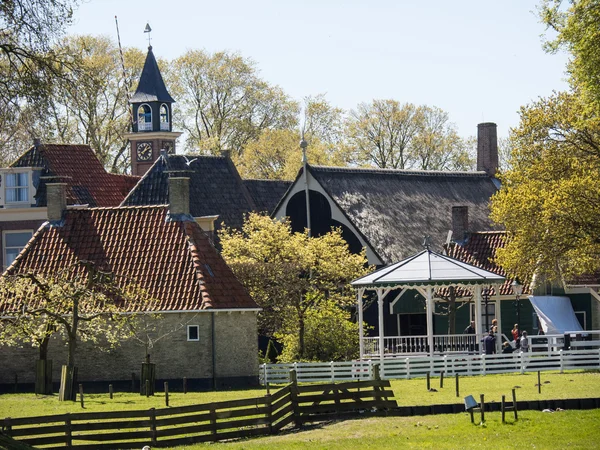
point(56, 200)
point(179, 196)
point(487, 148)
point(226, 153)
point(460, 223)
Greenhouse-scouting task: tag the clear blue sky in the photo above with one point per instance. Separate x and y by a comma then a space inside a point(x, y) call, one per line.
point(478, 60)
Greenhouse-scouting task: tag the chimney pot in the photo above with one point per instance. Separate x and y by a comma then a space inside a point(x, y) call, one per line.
point(36, 142)
point(460, 223)
point(179, 195)
point(226, 153)
point(56, 200)
point(487, 148)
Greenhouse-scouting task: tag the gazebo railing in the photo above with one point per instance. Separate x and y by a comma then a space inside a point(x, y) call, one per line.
point(410, 345)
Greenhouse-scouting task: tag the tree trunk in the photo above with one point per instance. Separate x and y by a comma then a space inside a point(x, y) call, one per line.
point(68, 381)
point(43, 377)
point(148, 373)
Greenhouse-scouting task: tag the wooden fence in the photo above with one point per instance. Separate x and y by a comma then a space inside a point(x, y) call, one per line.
point(201, 423)
point(420, 366)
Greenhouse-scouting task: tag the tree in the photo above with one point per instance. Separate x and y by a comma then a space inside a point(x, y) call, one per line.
point(90, 104)
point(330, 335)
point(391, 135)
point(290, 274)
point(80, 301)
point(550, 197)
point(222, 102)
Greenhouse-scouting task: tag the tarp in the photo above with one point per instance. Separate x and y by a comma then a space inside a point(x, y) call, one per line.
point(555, 313)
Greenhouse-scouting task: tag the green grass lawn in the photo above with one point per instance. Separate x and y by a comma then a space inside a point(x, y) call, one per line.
point(407, 392)
point(534, 430)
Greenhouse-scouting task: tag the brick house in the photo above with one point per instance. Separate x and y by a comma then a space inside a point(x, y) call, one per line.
point(23, 206)
point(164, 249)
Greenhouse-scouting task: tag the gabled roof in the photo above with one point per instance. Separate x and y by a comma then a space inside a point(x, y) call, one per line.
point(87, 180)
point(428, 268)
point(267, 193)
point(215, 188)
point(151, 87)
point(394, 209)
point(172, 260)
point(479, 249)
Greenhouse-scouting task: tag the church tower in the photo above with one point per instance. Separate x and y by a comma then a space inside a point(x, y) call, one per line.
point(152, 127)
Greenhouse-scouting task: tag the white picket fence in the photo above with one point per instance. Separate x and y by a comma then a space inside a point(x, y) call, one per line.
point(419, 366)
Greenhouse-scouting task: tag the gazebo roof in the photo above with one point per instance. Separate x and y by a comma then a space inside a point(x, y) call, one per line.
point(428, 268)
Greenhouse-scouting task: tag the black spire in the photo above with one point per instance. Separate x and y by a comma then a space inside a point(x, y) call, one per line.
point(151, 87)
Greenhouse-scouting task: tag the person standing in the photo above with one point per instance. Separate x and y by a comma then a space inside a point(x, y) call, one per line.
point(524, 342)
point(489, 343)
point(471, 328)
point(516, 335)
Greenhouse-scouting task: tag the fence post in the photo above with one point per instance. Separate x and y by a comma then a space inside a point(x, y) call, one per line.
point(407, 368)
point(265, 374)
point(457, 389)
point(81, 394)
point(482, 408)
point(269, 412)
point(376, 373)
point(442, 379)
point(152, 414)
point(332, 371)
point(185, 385)
point(110, 391)
point(483, 368)
point(166, 393)
point(213, 422)
point(521, 363)
point(514, 396)
point(445, 363)
point(68, 435)
point(7, 426)
point(502, 407)
point(560, 354)
point(370, 369)
point(294, 398)
point(428, 381)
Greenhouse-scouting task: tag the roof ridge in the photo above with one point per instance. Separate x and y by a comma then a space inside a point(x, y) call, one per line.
point(103, 208)
point(262, 179)
point(450, 173)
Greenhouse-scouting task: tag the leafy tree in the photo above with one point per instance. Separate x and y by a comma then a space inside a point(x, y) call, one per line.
point(550, 200)
point(290, 274)
point(90, 105)
point(80, 301)
point(392, 135)
point(223, 104)
point(330, 335)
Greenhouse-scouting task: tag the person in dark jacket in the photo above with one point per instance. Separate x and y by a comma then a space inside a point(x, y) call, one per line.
point(489, 343)
point(507, 348)
point(470, 329)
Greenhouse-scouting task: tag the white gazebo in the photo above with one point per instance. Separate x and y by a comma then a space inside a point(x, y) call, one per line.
point(423, 272)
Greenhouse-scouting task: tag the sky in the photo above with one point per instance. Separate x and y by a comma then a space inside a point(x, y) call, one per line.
point(479, 60)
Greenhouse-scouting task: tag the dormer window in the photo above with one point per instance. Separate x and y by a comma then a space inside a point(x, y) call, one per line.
point(164, 117)
point(144, 118)
point(17, 187)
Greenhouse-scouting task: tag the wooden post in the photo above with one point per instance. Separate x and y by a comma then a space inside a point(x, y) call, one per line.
point(68, 433)
point(442, 379)
point(213, 422)
point(471, 413)
point(81, 394)
point(152, 414)
point(502, 405)
point(539, 383)
point(482, 409)
point(147, 388)
point(376, 372)
point(166, 393)
point(7, 426)
point(185, 385)
point(110, 391)
point(457, 389)
point(514, 396)
point(294, 398)
point(428, 381)
point(269, 412)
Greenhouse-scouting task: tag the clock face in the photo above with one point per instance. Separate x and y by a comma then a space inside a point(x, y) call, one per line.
point(169, 147)
point(144, 151)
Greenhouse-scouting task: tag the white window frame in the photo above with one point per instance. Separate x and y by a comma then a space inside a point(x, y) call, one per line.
point(144, 126)
point(584, 318)
point(4, 248)
point(197, 327)
point(164, 126)
point(4, 173)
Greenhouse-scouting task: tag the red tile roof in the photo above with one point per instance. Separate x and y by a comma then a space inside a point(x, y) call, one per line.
point(172, 260)
point(480, 251)
point(88, 181)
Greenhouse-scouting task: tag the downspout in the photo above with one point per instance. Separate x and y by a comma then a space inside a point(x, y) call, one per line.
point(214, 349)
point(303, 145)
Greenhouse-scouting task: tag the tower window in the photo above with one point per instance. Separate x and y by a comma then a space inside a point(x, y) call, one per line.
point(144, 118)
point(164, 117)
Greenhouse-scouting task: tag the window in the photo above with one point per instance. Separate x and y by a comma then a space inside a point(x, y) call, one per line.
point(164, 117)
point(144, 118)
point(193, 332)
point(17, 187)
point(14, 241)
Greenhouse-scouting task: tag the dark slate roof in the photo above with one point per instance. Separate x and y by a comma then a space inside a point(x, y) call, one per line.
point(77, 165)
point(267, 193)
point(173, 261)
point(151, 87)
point(215, 187)
point(394, 209)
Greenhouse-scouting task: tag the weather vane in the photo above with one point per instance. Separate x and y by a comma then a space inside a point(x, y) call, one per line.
point(148, 30)
point(426, 241)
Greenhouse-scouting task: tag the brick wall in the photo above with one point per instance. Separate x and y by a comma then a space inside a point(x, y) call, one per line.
point(175, 357)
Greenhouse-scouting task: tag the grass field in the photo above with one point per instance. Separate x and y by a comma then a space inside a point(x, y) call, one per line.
point(407, 392)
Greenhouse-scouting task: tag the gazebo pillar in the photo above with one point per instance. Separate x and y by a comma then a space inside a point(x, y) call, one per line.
point(430, 306)
point(478, 329)
point(361, 332)
point(380, 297)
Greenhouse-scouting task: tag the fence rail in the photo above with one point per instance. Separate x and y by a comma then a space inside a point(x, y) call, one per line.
point(420, 366)
point(200, 423)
